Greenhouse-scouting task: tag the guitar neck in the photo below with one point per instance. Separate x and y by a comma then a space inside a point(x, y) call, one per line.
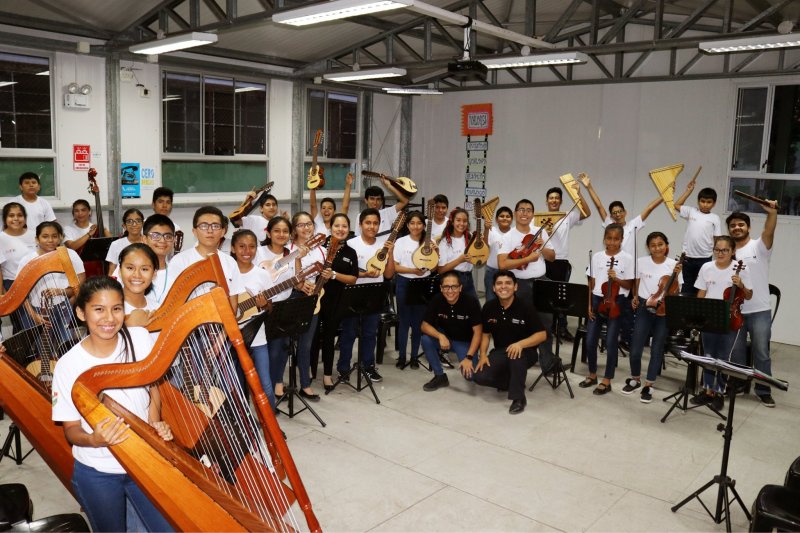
point(270, 293)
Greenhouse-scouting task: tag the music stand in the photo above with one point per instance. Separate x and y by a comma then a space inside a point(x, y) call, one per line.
point(96, 249)
point(420, 292)
point(290, 318)
point(360, 300)
point(735, 373)
point(695, 315)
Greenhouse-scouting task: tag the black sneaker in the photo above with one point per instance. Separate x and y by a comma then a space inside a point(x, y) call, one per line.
point(414, 362)
point(631, 385)
point(701, 399)
point(401, 363)
point(436, 383)
point(718, 402)
point(767, 400)
point(647, 394)
point(344, 376)
point(373, 374)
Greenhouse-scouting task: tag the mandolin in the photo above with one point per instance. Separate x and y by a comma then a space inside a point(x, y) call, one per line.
point(95, 267)
point(247, 303)
point(528, 245)
point(379, 260)
point(330, 255)
point(667, 286)
point(278, 265)
point(247, 205)
point(735, 298)
point(316, 179)
point(478, 249)
point(608, 308)
point(426, 257)
point(405, 185)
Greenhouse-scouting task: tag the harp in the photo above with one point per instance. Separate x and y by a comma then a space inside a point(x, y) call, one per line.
point(488, 208)
point(44, 331)
point(664, 180)
point(222, 472)
point(547, 219)
point(569, 182)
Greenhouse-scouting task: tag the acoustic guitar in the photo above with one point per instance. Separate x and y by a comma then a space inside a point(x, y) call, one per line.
point(278, 265)
point(405, 185)
point(316, 179)
point(426, 257)
point(478, 249)
point(330, 255)
point(247, 205)
point(247, 303)
point(379, 260)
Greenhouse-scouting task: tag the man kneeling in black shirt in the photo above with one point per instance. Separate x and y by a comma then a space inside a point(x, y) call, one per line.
point(516, 330)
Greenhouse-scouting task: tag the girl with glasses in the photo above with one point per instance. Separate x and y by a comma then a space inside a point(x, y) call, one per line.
point(132, 223)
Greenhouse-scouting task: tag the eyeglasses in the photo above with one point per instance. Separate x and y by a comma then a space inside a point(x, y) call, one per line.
point(721, 250)
point(450, 287)
point(205, 226)
point(134, 222)
point(524, 210)
point(304, 225)
point(156, 236)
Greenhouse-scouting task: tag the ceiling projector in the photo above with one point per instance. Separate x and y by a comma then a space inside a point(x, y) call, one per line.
point(466, 70)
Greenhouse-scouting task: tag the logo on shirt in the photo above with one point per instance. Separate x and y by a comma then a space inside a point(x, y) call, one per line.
point(517, 321)
point(55, 398)
point(491, 321)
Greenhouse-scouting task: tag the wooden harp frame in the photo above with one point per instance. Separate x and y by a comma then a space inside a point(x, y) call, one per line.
point(554, 216)
point(567, 180)
point(664, 180)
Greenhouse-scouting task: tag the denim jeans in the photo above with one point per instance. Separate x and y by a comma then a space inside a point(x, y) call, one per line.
point(691, 268)
point(430, 346)
point(759, 326)
point(718, 346)
point(304, 353)
point(593, 336)
point(278, 350)
point(104, 498)
point(409, 317)
point(468, 286)
point(366, 342)
point(648, 323)
point(627, 320)
point(260, 355)
point(488, 283)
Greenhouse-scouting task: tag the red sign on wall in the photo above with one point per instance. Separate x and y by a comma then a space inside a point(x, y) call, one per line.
point(476, 119)
point(81, 157)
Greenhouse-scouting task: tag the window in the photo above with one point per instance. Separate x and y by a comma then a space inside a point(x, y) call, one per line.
point(336, 114)
point(766, 148)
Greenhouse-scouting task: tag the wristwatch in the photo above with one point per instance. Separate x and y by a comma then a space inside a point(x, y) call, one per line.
point(333, 276)
point(470, 357)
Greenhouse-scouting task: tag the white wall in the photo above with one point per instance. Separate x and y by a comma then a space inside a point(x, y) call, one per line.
point(616, 134)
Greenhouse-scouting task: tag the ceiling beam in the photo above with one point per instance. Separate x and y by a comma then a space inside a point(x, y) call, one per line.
point(769, 12)
point(562, 20)
point(36, 23)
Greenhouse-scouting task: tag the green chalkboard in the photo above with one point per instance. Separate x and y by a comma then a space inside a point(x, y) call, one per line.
point(203, 177)
point(12, 168)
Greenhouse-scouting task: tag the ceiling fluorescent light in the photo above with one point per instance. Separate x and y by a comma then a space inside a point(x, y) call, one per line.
point(542, 60)
point(6, 83)
point(247, 89)
point(751, 43)
point(170, 44)
point(337, 9)
point(171, 97)
point(410, 90)
point(43, 73)
point(369, 74)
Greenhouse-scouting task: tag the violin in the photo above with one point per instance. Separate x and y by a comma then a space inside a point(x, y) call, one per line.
point(608, 307)
point(529, 244)
point(735, 297)
point(667, 286)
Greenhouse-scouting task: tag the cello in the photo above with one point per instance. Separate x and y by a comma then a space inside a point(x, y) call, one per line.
point(95, 267)
point(735, 297)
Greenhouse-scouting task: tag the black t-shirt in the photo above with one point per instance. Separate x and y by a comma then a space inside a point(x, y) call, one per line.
point(508, 326)
point(345, 262)
point(455, 321)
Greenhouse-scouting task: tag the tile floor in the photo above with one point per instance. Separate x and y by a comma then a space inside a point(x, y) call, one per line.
point(455, 460)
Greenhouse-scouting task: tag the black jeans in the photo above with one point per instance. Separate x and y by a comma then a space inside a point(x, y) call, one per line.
point(506, 374)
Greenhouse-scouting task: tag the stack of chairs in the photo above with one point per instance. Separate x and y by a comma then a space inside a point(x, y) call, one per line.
point(16, 513)
point(778, 506)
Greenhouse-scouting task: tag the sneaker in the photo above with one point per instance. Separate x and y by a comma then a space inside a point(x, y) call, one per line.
point(647, 394)
point(767, 400)
point(344, 376)
point(436, 383)
point(414, 362)
point(701, 399)
point(631, 385)
point(373, 375)
point(718, 402)
point(401, 363)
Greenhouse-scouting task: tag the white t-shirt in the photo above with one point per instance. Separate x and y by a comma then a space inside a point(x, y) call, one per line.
point(72, 232)
point(650, 273)
point(437, 229)
point(449, 251)
point(627, 233)
point(698, 241)
point(495, 241)
point(512, 240)
point(403, 254)
point(116, 247)
point(364, 252)
point(715, 280)
point(12, 249)
point(36, 212)
point(623, 267)
point(188, 257)
point(137, 400)
point(314, 255)
point(265, 254)
point(257, 224)
point(756, 259)
point(560, 238)
point(53, 279)
point(388, 216)
point(319, 225)
point(254, 282)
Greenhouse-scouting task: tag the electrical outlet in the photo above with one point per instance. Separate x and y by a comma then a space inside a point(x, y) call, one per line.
point(144, 92)
point(126, 75)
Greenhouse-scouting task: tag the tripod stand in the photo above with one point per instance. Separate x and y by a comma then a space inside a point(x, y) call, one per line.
point(359, 301)
point(289, 319)
point(14, 439)
point(694, 315)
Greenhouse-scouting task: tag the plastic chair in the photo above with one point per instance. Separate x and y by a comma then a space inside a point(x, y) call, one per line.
point(792, 479)
point(62, 523)
point(776, 507)
point(15, 505)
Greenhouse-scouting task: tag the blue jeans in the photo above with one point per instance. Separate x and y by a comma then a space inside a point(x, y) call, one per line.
point(718, 346)
point(366, 342)
point(408, 317)
point(691, 268)
point(488, 283)
point(468, 286)
point(278, 350)
point(593, 336)
point(627, 320)
point(759, 326)
point(430, 346)
point(304, 353)
point(648, 323)
point(260, 355)
point(104, 498)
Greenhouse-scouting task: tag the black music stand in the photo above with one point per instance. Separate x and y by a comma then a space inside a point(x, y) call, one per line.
point(360, 300)
point(18, 346)
point(290, 318)
point(420, 292)
point(96, 249)
point(695, 315)
point(735, 373)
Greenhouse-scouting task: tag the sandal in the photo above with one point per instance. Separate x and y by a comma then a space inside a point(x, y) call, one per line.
point(601, 389)
point(588, 382)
